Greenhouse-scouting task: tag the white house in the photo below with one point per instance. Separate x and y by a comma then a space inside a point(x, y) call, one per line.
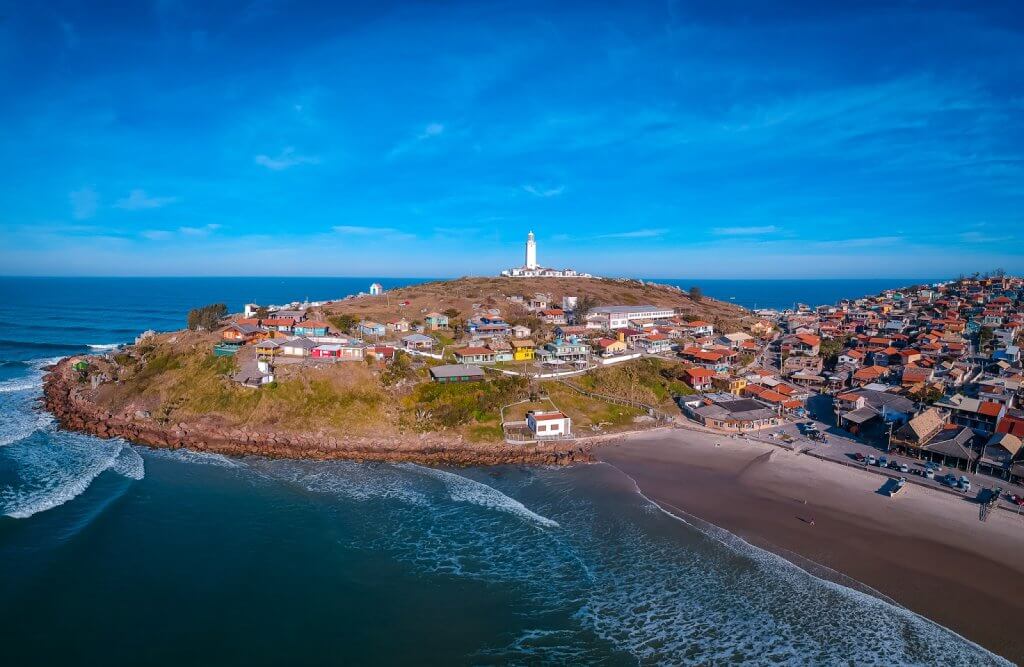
point(297, 347)
point(376, 289)
point(548, 424)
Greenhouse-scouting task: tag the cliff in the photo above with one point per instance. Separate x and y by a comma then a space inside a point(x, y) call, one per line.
point(68, 400)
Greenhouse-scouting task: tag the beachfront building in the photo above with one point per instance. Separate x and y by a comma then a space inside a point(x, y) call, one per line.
point(338, 352)
point(531, 269)
point(728, 413)
point(523, 350)
point(311, 328)
point(448, 373)
point(549, 424)
point(566, 351)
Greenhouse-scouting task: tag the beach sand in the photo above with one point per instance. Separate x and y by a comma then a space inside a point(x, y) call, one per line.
point(924, 549)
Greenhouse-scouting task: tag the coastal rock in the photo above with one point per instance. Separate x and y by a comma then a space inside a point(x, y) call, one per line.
point(66, 399)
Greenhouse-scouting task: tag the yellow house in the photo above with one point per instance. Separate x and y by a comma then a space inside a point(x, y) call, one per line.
point(734, 386)
point(522, 350)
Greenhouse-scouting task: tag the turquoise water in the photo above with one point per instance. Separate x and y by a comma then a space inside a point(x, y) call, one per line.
point(120, 555)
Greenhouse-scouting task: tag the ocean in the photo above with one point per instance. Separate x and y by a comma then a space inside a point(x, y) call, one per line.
point(115, 554)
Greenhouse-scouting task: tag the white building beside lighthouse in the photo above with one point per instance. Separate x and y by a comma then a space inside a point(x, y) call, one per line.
point(531, 269)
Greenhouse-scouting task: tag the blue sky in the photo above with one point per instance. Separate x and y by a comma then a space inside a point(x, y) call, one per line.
point(682, 139)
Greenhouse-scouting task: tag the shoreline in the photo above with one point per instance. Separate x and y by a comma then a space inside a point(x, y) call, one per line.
point(63, 398)
point(924, 551)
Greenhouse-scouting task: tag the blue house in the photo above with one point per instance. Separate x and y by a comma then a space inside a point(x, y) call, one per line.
point(368, 328)
point(311, 328)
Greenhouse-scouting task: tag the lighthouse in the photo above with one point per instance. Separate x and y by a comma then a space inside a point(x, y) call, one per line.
point(531, 251)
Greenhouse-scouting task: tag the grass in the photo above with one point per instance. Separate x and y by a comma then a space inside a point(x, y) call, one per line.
point(586, 412)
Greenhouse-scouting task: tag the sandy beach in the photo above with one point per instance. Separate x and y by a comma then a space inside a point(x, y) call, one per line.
point(926, 550)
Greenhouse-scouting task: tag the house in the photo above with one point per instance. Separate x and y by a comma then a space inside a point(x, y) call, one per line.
point(608, 347)
point(571, 350)
point(371, 328)
point(502, 350)
point(418, 342)
point(381, 352)
point(520, 331)
point(311, 328)
point(376, 289)
point(240, 334)
point(297, 347)
point(553, 316)
point(338, 352)
point(398, 326)
point(269, 348)
point(998, 454)
point(279, 323)
point(869, 375)
point(728, 384)
point(474, 355)
point(736, 339)
point(254, 374)
point(982, 416)
point(549, 424)
point(435, 321)
point(655, 343)
point(699, 378)
point(523, 350)
point(698, 328)
point(805, 344)
point(448, 373)
point(916, 433)
point(856, 408)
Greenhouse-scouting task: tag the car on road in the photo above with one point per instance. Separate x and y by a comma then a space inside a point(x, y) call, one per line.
point(871, 460)
point(883, 462)
point(950, 480)
point(964, 484)
point(929, 473)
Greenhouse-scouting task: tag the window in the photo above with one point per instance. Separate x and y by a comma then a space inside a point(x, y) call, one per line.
point(541, 427)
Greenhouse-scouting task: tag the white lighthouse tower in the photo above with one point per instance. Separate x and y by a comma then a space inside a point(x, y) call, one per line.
point(531, 251)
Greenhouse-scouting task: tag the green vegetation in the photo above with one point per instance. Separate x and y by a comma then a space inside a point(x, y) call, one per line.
point(208, 317)
point(651, 381)
point(587, 412)
point(343, 323)
point(696, 294)
point(438, 406)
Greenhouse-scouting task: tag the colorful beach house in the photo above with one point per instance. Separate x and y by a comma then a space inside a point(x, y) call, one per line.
point(338, 352)
point(523, 350)
point(240, 334)
point(311, 328)
point(370, 328)
point(436, 321)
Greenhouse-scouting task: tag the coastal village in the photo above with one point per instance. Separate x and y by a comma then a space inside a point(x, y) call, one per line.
point(924, 381)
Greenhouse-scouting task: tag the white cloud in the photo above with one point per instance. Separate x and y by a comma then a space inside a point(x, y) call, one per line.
point(390, 233)
point(980, 237)
point(432, 130)
point(84, 203)
point(286, 159)
point(744, 231)
point(544, 192)
point(635, 234)
point(198, 231)
point(157, 234)
point(138, 200)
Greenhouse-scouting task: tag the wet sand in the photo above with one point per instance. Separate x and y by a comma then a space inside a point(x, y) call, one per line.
point(924, 549)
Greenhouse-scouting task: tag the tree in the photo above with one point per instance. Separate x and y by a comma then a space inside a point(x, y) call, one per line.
point(696, 294)
point(343, 322)
point(452, 313)
point(207, 317)
point(584, 305)
point(262, 312)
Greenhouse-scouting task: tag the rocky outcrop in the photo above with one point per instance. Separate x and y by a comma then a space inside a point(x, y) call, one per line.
point(67, 399)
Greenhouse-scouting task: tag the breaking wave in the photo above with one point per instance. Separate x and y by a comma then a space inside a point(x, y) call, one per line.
point(104, 346)
point(54, 470)
point(192, 456)
point(464, 489)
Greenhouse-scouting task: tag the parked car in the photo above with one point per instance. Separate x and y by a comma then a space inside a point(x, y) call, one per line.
point(950, 479)
point(871, 460)
point(858, 457)
point(904, 467)
point(965, 484)
point(895, 465)
point(929, 473)
point(883, 462)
